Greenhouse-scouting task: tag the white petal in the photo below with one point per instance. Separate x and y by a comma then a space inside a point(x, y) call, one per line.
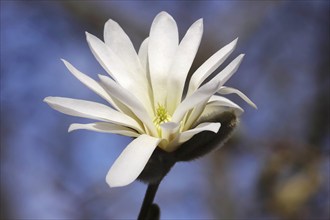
point(90, 83)
point(143, 54)
point(228, 90)
point(169, 130)
point(186, 135)
point(163, 43)
point(228, 71)
point(131, 102)
point(182, 62)
point(210, 65)
point(121, 45)
point(216, 106)
point(108, 59)
point(199, 96)
point(207, 90)
point(134, 81)
point(193, 115)
point(132, 161)
point(92, 110)
point(98, 89)
point(220, 101)
point(105, 128)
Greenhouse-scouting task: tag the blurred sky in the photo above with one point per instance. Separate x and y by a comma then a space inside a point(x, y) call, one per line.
point(276, 165)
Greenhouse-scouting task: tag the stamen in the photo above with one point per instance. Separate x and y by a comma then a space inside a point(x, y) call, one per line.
point(161, 116)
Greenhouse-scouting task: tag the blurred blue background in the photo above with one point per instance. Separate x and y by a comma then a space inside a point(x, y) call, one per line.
point(275, 166)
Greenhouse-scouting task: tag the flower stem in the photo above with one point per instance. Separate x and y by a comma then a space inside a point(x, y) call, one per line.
point(149, 210)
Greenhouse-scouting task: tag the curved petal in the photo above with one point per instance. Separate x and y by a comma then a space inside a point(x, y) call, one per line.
point(143, 54)
point(220, 101)
point(186, 135)
point(105, 128)
point(121, 45)
point(163, 43)
point(92, 110)
point(132, 161)
point(207, 90)
point(117, 69)
point(169, 130)
point(108, 59)
point(90, 83)
point(210, 65)
point(194, 115)
point(216, 106)
point(199, 96)
point(228, 71)
point(224, 90)
point(98, 89)
point(182, 62)
point(131, 102)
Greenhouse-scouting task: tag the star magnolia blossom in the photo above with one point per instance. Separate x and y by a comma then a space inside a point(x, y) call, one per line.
point(145, 92)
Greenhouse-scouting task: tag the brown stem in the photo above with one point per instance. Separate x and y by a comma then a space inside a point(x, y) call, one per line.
point(147, 207)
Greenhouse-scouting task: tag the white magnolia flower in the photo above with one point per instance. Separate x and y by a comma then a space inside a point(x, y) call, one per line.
point(146, 92)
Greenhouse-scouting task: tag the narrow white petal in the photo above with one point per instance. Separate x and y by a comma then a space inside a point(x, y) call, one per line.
point(163, 43)
point(92, 110)
point(131, 101)
point(210, 65)
point(219, 79)
point(121, 45)
point(206, 91)
point(98, 89)
point(132, 161)
point(143, 54)
point(108, 59)
point(220, 101)
point(224, 90)
point(228, 71)
point(216, 106)
point(199, 96)
point(193, 115)
point(136, 82)
point(90, 83)
point(186, 135)
point(119, 70)
point(105, 128)
point(182, 62)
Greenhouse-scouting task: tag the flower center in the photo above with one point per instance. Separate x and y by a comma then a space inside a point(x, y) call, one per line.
point(161, 116)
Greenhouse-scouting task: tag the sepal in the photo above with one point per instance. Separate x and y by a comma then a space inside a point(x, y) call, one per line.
point(157, 167)
point(207, 141)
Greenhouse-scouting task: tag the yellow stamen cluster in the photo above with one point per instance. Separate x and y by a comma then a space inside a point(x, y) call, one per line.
point(161, 116)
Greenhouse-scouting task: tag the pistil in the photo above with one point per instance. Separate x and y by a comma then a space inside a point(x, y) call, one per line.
point(162, 116)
